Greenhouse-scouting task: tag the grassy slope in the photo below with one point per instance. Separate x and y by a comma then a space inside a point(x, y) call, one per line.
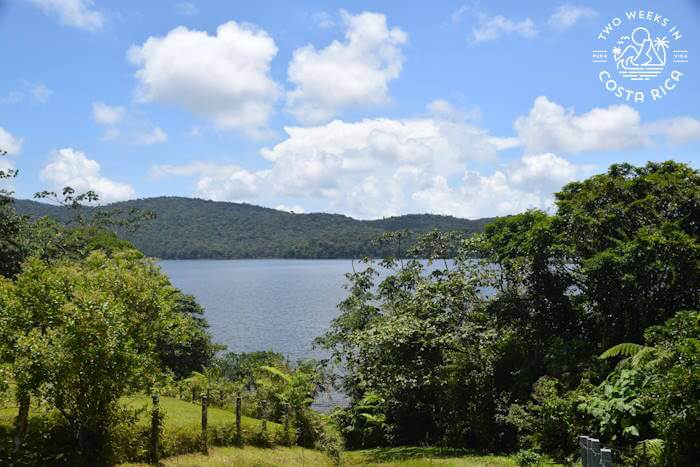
point(178, 414)
point(184, 415)
point(181, 414)
point(403, 457)
point(423, 456)
point(248, 456)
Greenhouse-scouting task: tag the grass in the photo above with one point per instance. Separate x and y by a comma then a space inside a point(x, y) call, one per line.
point(423, 456)
point(180, 414)
point(388, 457)
point(248, 457)
point(181, 433)
point(184, 417)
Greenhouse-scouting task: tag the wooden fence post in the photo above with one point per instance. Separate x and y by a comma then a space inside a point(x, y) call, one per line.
point(239, 435)
point(263, 415)
point(155, 428)
point(286, 423)
point(205, 441)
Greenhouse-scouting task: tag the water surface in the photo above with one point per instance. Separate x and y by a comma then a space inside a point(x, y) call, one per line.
point(275, 304)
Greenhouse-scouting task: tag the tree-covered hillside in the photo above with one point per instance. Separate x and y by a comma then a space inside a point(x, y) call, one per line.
point(195, 228)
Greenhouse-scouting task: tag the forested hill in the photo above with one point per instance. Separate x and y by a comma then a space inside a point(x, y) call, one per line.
point(195, 228)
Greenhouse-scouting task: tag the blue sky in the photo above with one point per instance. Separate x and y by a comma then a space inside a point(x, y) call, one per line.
point(368, 109)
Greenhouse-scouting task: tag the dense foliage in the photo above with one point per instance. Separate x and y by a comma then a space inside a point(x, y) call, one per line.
point(194, 228)
point(502, 353)
point(85, 319)
point(80, 335)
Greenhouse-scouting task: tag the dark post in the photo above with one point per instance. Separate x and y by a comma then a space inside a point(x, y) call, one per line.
point(263, 415)
point(155, 428)
point(287, 408)
point(606, 455)
point(239, 435)
point(205, 443)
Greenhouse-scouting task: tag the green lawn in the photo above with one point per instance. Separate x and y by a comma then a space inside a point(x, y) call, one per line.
point(423, 456)
point(279, 456)
point(248, 457)
point(181, 414)
point(178, 414)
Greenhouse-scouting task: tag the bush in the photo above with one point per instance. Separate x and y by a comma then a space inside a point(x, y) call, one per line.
point(526, 458)
point(549, 422)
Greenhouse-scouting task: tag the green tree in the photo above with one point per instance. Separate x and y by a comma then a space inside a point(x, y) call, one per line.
point(196, 351)
point(81, 334)
point(449, 350)
point(634, 231)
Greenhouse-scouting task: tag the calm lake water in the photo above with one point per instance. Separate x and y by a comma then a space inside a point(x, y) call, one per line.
point(279, 305)
point(275, 304)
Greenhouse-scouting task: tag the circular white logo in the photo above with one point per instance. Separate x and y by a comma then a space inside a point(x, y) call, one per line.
point(640, 56)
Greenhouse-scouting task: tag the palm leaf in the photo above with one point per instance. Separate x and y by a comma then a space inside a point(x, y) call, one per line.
point(276, 372)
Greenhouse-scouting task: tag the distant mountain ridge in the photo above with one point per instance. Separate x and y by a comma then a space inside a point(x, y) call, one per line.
point(190, 228)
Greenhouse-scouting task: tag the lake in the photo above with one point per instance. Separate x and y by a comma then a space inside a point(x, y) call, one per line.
point(274, 304)
point(267, 304)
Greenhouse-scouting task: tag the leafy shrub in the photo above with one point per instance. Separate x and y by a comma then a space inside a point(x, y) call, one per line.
point(549, 422)
point(527, 458)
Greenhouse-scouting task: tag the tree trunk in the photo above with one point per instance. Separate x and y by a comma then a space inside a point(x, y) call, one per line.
point(21, 424)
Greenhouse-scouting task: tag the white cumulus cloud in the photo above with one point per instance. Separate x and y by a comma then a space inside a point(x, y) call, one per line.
point(75, 13)
point(10, 143)
point(353, 73)
point(219, 182)
point(223, 77)
point(367, 168)
point(70, 167)
point(543, 173)
point(525, 184)
point(549, 127)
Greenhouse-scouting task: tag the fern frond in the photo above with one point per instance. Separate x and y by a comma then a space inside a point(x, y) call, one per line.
point(373, 419)
point(652, 448)
point(626, 349)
